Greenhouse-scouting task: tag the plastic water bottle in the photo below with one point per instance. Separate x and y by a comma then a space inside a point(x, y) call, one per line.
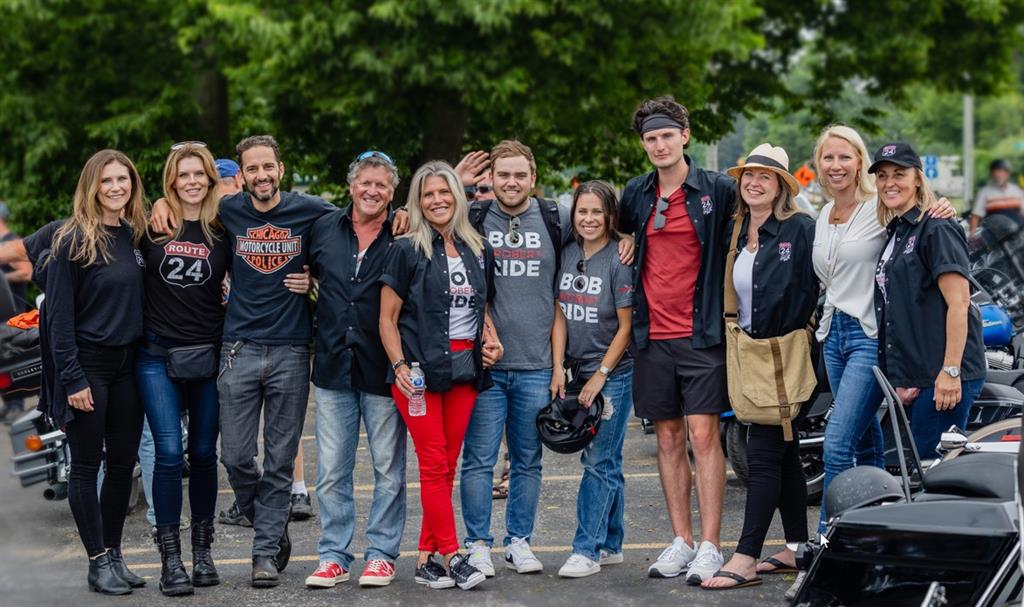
point(418, 401)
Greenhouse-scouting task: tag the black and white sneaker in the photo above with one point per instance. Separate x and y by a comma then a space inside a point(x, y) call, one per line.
point(465, 575)
point(432, 575)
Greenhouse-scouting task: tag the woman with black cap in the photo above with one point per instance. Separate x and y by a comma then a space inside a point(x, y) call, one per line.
point(929, 335)
point(776, 291)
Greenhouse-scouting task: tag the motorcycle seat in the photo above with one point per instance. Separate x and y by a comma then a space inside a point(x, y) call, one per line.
point(1003, 378)
point(977, 475)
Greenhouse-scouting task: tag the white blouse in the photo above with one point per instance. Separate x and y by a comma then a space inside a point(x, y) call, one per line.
point(844, 259)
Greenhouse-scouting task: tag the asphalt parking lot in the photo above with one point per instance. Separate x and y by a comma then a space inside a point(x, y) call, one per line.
point(42, 561)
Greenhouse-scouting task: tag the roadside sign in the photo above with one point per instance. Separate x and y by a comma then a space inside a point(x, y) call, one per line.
point(804, 175)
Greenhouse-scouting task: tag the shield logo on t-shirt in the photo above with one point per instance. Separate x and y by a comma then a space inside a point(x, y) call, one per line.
point(268, 248)
point(185, 264)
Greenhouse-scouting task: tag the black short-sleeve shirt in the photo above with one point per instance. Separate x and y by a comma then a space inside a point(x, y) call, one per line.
point(710, 202)
point(910, 308)
point(423, 286)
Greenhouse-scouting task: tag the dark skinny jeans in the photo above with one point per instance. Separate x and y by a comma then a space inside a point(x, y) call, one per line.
point(114, 422)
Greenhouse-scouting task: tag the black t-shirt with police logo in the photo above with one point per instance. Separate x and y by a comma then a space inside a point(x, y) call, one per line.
point(183, 285)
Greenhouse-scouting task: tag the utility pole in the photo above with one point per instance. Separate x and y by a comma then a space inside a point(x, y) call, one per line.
point(712, 160)
point(968, 151)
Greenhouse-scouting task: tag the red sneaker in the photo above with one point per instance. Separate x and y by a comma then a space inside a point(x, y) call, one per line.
point(377, 573)
point(327, 575)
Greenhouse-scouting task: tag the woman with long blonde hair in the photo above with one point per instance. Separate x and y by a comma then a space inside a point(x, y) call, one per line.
point(437, 283)
point(93, 279)
point(184, 321)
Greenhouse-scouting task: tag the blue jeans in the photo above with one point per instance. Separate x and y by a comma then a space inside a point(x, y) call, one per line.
point(164, 399)
point(337, 436)
point(272, 380)
point(511, 405)
point(147, 461)
point(853, 435)
point(927, 424)
point(600, 503)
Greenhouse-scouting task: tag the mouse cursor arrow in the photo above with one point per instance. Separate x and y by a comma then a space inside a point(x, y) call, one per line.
point(823, 540)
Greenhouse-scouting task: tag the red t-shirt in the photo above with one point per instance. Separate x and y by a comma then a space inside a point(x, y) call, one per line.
point(671, 265)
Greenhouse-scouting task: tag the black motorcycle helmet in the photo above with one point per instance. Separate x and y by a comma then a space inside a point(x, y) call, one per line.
point(859, 487)
point(565, 426)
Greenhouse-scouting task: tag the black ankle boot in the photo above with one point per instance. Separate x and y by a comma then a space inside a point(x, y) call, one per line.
point(121, 569)
point(102, 577)
point(174, 579)
point(204, 573)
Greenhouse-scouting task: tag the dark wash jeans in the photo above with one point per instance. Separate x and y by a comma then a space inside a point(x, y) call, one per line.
point(164, 400)
point(274, 380)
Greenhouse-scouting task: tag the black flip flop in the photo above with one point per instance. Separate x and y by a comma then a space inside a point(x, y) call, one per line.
point(741, 582)
point(778, 567)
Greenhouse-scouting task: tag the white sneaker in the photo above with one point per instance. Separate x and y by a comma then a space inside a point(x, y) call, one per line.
point(578, 566)
point(708, 561)
point(480, 557)
point(518, 556)
point(673, 560)
point(610, 558)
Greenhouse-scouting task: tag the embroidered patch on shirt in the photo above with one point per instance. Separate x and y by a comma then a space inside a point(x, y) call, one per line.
point(910, 245)
point(785, 251)
point(705, 205)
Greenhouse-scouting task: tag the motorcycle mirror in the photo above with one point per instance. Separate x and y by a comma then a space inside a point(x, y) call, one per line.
point(952, 439)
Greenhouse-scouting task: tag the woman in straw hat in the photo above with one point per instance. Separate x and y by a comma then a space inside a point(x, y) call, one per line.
point(776, 293)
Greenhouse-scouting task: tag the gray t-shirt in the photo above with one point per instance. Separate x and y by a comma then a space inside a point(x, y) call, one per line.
point(590, 302)
point(523, 308)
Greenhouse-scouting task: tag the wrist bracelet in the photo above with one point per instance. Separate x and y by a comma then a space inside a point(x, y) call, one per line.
point(398, 363)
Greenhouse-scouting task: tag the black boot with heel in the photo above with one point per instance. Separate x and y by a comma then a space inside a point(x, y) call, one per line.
point(122, 570)
point(102, 577)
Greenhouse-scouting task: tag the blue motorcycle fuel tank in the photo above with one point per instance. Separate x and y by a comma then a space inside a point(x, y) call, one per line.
point(997, 328)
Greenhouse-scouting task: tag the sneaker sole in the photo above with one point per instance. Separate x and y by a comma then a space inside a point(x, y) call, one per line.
point(474, 580)
point(300, 516)
point(615, 559)
point(375, 581)
point(534, 569)
point(265, 583)
point(661, 574)
point(579, 574)
point(319, 582)
point(694, 580)
point(435, 585)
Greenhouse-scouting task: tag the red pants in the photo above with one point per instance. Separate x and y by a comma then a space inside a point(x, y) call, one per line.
point(438, 439)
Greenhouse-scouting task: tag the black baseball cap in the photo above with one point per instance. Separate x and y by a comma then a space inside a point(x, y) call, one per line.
point(897, 153)
point(999, 163)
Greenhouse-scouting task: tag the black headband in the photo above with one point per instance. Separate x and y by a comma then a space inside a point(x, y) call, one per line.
point(766, 161)
point(659, 121)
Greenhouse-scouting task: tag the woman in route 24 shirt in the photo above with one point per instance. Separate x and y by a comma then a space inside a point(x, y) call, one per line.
point(437, 282)
point(930, 343)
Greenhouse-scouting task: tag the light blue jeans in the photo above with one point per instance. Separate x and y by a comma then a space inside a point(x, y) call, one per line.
point(853, 436)
point(147, 461)
point(337, 435)
point(511, 405)
point(600, 503)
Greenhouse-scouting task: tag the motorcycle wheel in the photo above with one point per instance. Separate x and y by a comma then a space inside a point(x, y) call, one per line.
point(736, 448)
point(813, 464)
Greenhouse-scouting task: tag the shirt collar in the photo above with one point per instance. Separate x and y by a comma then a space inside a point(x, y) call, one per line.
point(346, 213)
point(910, 218)
point(770, 225)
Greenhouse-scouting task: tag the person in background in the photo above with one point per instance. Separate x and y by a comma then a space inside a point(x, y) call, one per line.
point(17, 274)
point(1000, 196)
point(440, 274)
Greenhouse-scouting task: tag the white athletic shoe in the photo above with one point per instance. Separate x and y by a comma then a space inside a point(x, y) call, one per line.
point(480, 557)
point(578, 565)
point(673, 560)
point(708, 561)
point(518, 556)
point(610, 558)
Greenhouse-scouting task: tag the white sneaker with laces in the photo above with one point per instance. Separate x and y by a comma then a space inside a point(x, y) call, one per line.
point(518, 556)
point(609, 558)
point(708, 561)
point(673, 560)
point(480, 557)
point(578, 565)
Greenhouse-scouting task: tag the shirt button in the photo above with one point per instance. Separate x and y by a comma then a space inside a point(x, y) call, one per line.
point(755, 309)
point(446, 351)
point(889, 346)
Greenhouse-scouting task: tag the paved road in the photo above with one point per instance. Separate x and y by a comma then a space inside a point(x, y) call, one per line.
point(42, 561)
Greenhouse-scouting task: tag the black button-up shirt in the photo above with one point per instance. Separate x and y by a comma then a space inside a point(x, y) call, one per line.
point(910, 308)
point(423, 286)
point(349, 354)
point(710, 201)
point(785, 289)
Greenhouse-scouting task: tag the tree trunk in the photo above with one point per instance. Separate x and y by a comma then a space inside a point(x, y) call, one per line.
point(444, 129)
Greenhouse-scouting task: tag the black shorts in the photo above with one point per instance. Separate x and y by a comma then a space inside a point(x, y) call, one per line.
point(671, 379)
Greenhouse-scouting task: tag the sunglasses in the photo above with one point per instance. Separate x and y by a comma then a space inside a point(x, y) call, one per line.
point(659, 213)
point(182, 144)
point(514, 237)
point(484, 189)
point(580, 282)
point(375, 154)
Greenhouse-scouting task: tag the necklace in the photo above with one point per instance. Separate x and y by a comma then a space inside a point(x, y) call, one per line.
point(837, 217)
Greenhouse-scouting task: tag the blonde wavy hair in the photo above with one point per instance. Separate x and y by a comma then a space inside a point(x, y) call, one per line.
point(209, 219)
point(924, 196)
point(84, 233)
point(865, 182)
point(420, 231)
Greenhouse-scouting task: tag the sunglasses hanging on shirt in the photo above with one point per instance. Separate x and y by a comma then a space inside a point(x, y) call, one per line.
point(659, 213)
point(580, 282)
point(514, 237)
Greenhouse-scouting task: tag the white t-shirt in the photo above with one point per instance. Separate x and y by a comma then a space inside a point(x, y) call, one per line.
point(743, 282)
point(844, 259)
point(462, 302)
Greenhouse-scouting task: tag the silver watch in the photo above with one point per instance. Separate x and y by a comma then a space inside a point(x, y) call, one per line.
point(953, 372)
point(604, 370)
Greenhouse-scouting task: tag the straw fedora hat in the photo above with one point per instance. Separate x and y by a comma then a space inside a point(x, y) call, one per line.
point(773, 158)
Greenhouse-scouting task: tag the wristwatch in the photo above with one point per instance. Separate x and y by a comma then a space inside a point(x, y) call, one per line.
point(398, 363)
point(953, 372)
point(604, 370)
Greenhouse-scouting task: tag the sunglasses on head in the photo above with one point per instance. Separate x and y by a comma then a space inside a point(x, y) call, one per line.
point(659, 212)
point(514, 237)
point(375, 154)
point(182, 144)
